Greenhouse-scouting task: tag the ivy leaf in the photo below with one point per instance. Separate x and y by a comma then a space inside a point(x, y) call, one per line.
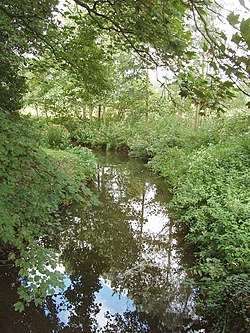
point(233, 19)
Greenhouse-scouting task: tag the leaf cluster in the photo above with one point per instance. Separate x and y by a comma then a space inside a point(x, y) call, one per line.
point(33, 188)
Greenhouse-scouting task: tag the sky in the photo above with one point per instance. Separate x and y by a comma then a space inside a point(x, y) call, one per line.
point(230, 6)
point(237, 8)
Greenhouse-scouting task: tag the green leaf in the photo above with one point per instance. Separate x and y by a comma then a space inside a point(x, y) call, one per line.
point(184, 93)
point(198, 93)
point(205, 47)
point(19, 306)
point(222, 47)
point(38, 301)
point(233, 19)
point(214, 65)
point(228, 84)
point(11, 256)
point(236, 38)
point(245, 31)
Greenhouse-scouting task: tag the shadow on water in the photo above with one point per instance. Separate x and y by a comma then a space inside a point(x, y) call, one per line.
point(123, 264)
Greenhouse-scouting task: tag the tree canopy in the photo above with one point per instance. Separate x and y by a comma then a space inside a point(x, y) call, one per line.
point(93, 59)
point(81, 38)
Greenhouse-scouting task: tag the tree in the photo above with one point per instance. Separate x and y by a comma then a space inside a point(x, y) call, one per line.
point(161, 31)
point(23, 29)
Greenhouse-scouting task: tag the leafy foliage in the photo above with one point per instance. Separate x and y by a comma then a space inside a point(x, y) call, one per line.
point(209, 172)
point(208, 169)
point(78, 161)
point(228, 304)
point(33, 187)
point(56, 136)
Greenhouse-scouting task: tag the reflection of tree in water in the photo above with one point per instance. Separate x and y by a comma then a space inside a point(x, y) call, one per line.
point(120, 250)
point(154, 279)
point(33, 319)
point(128, 322)
point(110, 241)
point(85, 266)
point(93, 241)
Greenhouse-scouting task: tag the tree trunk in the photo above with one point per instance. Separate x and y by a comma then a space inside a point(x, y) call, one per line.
point(197, 117)
point(45, 109)
point(104, 114)
point(91, 109)
point(37, 110)
point(83, 111)
point(147, 96)
point(99, 111)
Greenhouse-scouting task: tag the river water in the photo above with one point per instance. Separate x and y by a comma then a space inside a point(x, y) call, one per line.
point(123, 262)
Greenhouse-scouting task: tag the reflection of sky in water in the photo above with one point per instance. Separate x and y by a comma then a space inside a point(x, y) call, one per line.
point(155, 225)
point(152, 226)
point(110, 302)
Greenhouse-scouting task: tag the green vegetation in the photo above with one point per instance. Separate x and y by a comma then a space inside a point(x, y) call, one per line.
point(56, 136)
point(34, 185)
point(79, 163)
point(193, 128)
point(209, 173)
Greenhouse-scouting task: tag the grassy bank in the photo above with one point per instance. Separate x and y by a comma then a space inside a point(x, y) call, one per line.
point(209, 174)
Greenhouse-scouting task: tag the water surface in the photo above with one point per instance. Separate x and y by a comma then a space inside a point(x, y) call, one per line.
point(123, 264)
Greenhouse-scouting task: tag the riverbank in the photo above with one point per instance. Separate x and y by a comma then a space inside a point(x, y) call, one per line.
point(209, 174)
point(122, 260)
point(35, 185)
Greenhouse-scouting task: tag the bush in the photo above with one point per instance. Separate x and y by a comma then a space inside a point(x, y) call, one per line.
point(79, 162)
point(33, 188)
point(56, 136)
point(212, 199)
point(228, 305)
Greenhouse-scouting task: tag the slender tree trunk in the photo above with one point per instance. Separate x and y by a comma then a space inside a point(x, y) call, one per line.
point(147, 96)
point(45, 109)
point(37, 111)
point(180, 107)
point(91, 109)
point(99, 111)
point(104, 114)
point(197, 117)
point(83, 111)
point(76, 111)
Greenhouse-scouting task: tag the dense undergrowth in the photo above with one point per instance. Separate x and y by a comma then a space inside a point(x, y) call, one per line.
point(35, 184)
point(209, 173)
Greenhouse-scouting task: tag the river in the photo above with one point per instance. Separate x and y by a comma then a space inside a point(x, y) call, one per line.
point(123, 262)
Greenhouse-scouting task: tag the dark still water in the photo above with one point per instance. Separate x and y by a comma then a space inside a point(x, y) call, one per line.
point(123, 264)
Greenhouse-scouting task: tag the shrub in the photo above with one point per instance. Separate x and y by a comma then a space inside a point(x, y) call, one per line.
point(212, 199)
point(56, 136)
point(33, 187)
point(78, 163)
point(228, 305)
